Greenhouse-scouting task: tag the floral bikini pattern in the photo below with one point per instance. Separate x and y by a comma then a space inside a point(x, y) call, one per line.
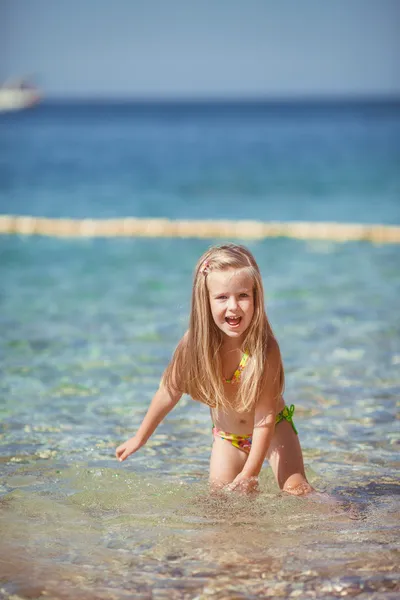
point(243, 442)
point(238, 372)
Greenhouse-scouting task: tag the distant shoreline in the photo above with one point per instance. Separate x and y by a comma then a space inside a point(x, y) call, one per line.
point(229, 101)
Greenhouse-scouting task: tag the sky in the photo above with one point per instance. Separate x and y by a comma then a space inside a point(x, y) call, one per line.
point(203, 48)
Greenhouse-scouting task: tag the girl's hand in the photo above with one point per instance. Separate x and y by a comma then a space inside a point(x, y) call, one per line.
point(243, 484)
point(127, 448)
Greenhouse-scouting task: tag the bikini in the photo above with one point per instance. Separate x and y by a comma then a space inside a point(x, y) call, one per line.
point(243, 442)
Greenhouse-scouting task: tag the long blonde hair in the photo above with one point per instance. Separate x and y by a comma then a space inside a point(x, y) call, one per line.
point(195, 367)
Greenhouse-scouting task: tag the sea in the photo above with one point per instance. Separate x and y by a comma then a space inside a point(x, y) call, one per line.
point(88, 326)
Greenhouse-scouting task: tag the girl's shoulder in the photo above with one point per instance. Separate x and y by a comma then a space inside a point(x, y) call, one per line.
point(183, 342)
point(185, 337)
point(272, 347)
point(179, 362)
point(273, 359)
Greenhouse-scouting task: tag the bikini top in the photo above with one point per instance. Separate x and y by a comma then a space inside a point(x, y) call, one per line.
point(236, 376)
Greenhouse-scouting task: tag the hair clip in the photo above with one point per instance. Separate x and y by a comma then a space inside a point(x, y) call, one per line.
point(204, 269)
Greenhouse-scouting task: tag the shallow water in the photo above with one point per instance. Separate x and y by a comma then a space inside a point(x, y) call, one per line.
point(105, 534)
point(87, 329)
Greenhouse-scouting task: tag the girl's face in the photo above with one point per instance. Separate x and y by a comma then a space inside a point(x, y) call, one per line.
point(231, 297)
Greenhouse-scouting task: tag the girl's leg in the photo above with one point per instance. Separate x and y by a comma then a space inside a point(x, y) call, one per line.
point(226, 462)
point(286, 459)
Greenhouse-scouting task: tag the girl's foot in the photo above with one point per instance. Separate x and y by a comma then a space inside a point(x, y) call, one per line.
point(297, 485)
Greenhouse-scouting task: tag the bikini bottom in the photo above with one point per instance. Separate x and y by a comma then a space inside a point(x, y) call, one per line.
point(243, 442)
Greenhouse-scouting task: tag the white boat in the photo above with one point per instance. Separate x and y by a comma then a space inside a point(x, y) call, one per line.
point(18, 95)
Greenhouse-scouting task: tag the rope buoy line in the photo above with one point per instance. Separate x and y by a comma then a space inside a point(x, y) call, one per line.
point(256, 230)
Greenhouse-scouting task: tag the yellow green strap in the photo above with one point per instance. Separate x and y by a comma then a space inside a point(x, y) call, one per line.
point(287, 414)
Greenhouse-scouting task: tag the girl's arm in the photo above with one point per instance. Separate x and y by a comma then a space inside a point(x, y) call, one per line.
point(262, 436)
point(162, 403)
point(264, 418)
point(167, 396)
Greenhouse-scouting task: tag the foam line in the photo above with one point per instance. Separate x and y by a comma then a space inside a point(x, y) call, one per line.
point(241, 230)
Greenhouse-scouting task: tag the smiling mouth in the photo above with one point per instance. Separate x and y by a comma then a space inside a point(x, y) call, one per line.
point(233, 321)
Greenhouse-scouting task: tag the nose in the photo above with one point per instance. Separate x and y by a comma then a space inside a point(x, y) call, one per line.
point(232, 303)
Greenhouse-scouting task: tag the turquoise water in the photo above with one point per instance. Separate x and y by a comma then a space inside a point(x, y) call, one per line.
point(88, 327)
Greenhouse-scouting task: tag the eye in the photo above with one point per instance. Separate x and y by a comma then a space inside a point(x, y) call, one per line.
point(221, 297)
point(244, 295)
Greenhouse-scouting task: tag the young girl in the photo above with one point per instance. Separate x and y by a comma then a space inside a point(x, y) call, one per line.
point(229, 359)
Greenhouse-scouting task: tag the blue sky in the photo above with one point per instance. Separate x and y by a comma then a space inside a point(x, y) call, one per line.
point(203, 48)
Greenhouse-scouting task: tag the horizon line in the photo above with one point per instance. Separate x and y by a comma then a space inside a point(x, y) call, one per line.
point(222, 99)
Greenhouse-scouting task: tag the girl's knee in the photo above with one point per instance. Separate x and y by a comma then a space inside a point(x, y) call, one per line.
point(297, 485)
